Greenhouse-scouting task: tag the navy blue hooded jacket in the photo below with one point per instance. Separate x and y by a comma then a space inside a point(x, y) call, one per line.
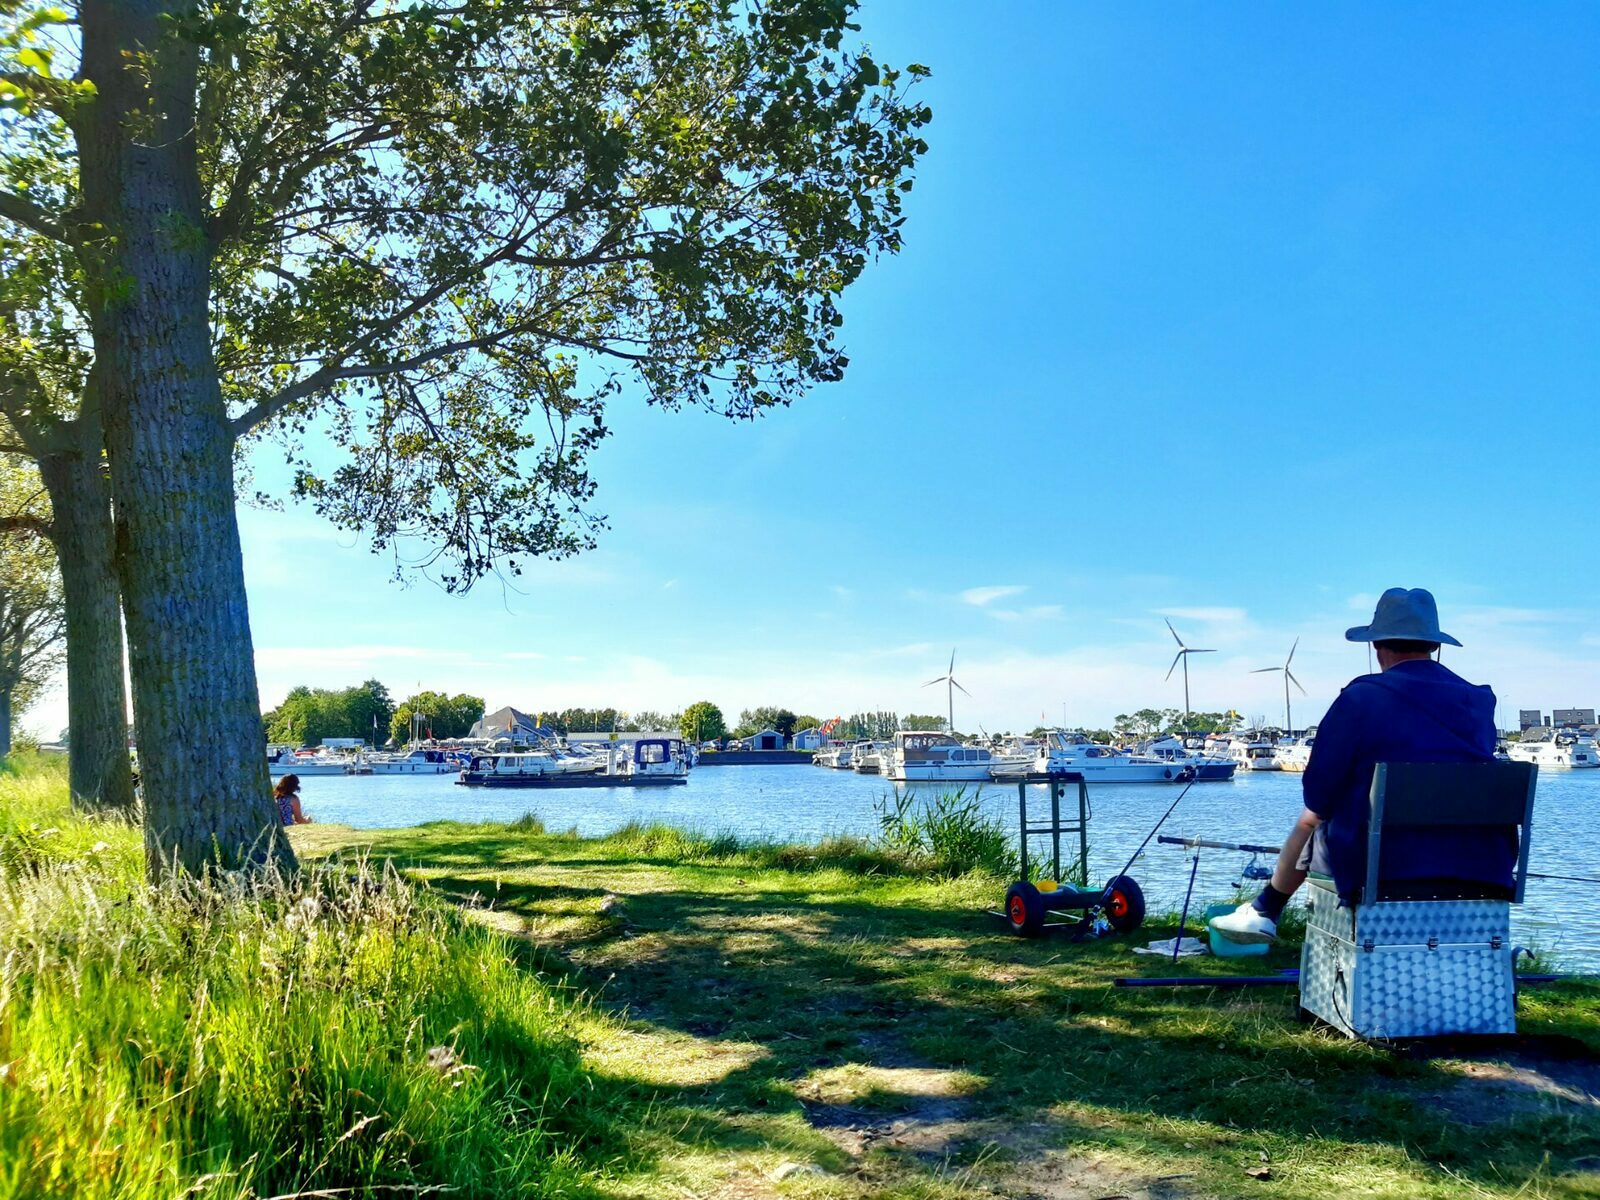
point(1416, 711)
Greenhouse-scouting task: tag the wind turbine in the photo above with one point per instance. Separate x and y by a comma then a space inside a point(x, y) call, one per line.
point(949, 680)
point(1288, 678)
point(1182, 656)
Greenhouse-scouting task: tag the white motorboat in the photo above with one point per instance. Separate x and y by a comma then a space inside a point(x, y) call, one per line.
point(1295, 756)
point(1254, 752)
point(868, 758)
point(318, 762)
point(417, 762)
point(647, 761)
point(917, 757)
point(837, 756)
point(1189, 750)
point(1572, 750)
point(1066, 750)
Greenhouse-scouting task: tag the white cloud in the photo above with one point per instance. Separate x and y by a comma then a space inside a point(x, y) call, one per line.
point(1039, 612)
point(1218, 613)
point(981, 596)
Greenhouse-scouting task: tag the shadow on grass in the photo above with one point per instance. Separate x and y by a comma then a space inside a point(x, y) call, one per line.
point(792, 976)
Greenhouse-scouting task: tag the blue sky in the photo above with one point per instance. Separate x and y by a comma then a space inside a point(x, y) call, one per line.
point(1236, 314)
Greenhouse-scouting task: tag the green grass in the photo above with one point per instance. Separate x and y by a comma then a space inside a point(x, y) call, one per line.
point(661, 1013)
point(339, 1031)
point(873, 1021)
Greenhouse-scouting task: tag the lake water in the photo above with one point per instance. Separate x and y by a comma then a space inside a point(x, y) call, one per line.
point(805, 803)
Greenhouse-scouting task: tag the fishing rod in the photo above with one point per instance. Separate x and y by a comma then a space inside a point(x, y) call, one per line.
point(1097, 911)
point(1288, 977)
point(1196, 843)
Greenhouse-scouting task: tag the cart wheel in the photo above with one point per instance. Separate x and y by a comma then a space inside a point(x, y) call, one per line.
point(1124, 904)
point(1025, 909)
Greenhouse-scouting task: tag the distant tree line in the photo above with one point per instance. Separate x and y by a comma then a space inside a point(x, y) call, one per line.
point(309, 715)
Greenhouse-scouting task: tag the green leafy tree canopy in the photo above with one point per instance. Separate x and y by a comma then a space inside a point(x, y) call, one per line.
point(702, 721)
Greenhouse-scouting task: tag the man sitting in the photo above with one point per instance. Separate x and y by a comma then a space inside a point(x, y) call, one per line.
point(1413, 711)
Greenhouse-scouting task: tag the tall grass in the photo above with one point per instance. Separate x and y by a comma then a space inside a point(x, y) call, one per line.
point(337, 1030)
point(943, 835)
point(948, 833)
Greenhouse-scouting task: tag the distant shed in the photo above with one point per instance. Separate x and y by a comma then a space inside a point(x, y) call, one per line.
point(767, 739)
point(809, 739)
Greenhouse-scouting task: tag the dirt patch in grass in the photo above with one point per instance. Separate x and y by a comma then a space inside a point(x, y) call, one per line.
point(1059, 1176)
point(1503, 1083)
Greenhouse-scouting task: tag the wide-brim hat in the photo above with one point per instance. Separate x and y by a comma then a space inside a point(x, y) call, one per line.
point(1403, 614)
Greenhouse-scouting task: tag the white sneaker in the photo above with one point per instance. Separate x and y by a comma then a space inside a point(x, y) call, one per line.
point(1245, 924)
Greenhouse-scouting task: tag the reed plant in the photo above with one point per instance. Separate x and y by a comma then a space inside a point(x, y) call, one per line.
point(337, 1032)
point(947, 833)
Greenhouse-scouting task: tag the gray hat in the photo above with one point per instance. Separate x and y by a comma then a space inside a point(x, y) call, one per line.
point(1403, 615)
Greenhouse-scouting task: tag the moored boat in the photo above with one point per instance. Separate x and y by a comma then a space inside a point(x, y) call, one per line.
point(1189, 750)
point(416, 762)
point(1561, 749)
point(917, 757)
point(645, 762)
point(1069, 751)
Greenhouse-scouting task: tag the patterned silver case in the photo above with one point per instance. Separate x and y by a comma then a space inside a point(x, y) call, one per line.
point(1404, 969)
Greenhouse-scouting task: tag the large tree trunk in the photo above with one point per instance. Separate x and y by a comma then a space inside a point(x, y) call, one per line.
point(196, 712)
point(80, 499)
point(5, 722)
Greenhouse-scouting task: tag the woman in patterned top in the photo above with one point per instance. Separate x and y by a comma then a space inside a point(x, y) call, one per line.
point(287, 794)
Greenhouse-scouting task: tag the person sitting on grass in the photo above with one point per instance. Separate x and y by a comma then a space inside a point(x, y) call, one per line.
point(1414, 711)
point(287, 794)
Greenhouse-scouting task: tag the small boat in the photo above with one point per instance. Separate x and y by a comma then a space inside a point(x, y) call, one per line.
point(417, 762)
point(868, 758)
point(917, 757)
point(1189, 750)
point(318, 762)
point(1295, 756)
point(1069, 751)
point(1562, 749)
point(645, 762)
point(1254, 751)
point(838, 756)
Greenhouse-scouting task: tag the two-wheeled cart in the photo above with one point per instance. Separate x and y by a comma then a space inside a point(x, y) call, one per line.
point(1117, 907)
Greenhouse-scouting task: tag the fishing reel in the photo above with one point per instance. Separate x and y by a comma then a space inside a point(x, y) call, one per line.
point(1253, 871)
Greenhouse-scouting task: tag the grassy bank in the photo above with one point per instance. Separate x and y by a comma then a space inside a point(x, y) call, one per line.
point(337, 1032)
point(667, 1014)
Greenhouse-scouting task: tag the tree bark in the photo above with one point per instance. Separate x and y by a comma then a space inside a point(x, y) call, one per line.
point(98, 772)
point(196, 710)
point(5, 722)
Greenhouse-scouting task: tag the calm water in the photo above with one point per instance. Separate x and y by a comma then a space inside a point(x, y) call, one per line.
point(804, 803)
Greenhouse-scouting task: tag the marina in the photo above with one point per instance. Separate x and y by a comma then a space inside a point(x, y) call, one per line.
point(800, 804)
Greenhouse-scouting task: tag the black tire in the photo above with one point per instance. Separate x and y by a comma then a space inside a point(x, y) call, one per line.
point(1124, 903)
point(1025, 909)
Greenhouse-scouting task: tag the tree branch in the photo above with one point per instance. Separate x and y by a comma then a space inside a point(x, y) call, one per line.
point(18, 523)
point(31, 216)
